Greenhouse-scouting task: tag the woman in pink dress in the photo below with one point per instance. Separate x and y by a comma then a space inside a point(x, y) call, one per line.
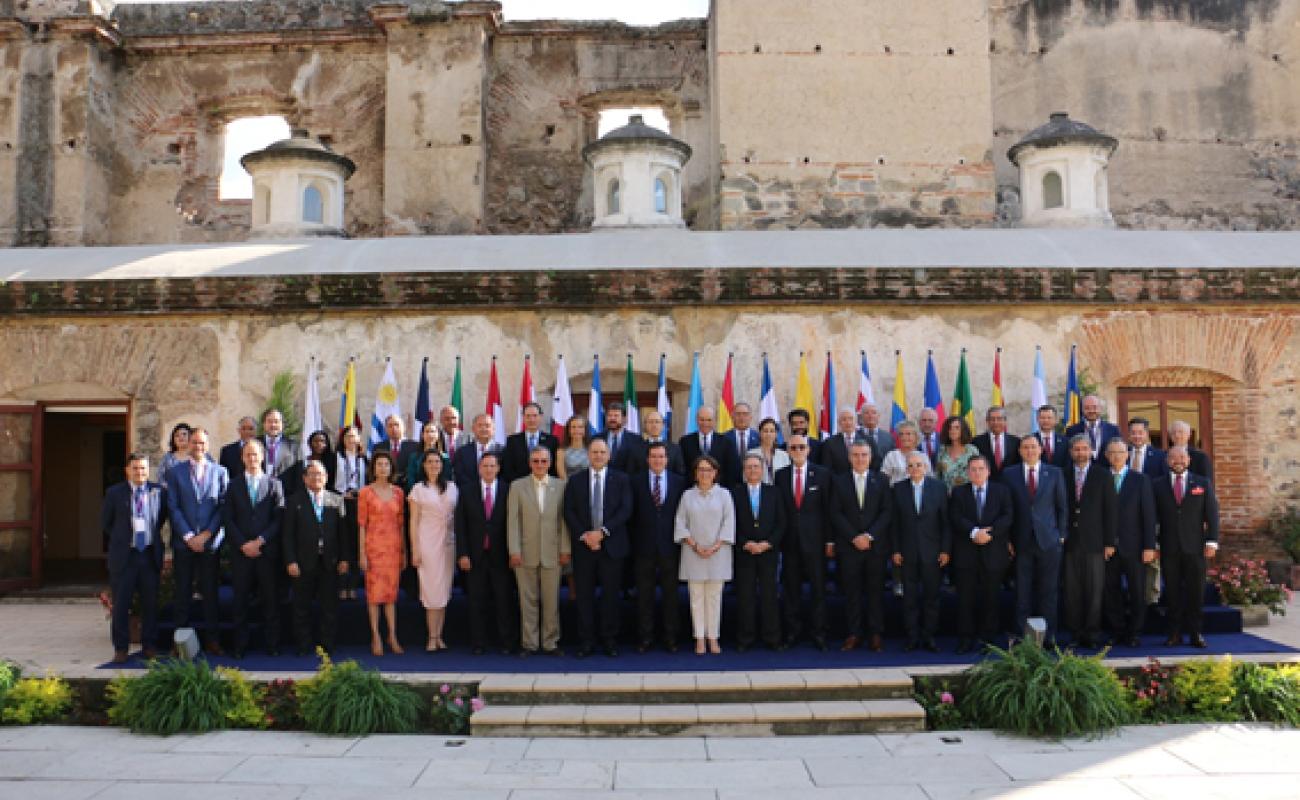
point(381, 509)
point(433, 543)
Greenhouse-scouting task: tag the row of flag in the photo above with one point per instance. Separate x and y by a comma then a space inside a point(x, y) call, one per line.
point(387, 401)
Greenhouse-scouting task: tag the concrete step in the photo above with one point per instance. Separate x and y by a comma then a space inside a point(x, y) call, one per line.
point(815, 717)
point(694, 688)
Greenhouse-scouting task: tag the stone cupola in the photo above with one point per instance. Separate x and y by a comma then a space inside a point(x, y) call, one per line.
point(1063, 178)
point(637, 177)
point(297, 188)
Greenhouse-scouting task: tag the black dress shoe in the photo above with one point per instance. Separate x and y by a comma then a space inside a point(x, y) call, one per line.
point(506, 651)
point(1084, 643)
point(583, 651)
point(1132, 641)
point(302, 651)
point(1196, 640)
point(1173, 640)
point(930, 646)
point(148, 654)
point(1049, 644)
point(670, 646)
point(273, 651)
point(554, 651)
point(876, 644)
point(476, 650)
point(964, 646)
point(611, 651)
point(911, 645)
point(819, 643)
point(526, 653)
point(643, 646)
point(120, 656)
point(237, 654)
point(742, 648)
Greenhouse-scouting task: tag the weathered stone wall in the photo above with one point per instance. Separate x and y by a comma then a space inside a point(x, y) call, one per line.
point(548, 83)
point(1200, 93)
point(845, 113)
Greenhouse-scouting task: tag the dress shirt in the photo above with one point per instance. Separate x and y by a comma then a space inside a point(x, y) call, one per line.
point(755, 494)
point(595, 477)
point(140, 511)
point(539, 486)
point(860, 481)
point(1138, 457)
point(916, 494)
point(981, 497)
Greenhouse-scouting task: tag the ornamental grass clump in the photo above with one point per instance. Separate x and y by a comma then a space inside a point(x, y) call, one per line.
point(347, 699)
point(177, 695)
point(1267, 694)
point(1035, 692)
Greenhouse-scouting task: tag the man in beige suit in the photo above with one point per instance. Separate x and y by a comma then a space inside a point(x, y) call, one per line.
point(539, 545)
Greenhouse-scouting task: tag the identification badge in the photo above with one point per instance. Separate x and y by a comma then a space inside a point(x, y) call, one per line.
point(140, 525)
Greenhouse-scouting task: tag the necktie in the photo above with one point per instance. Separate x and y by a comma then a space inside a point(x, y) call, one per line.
point(613, 448)
point(532, 442)
point(1178, 489)
point(753, 502)
point(540, 489)
point(707, 441)
point(252, 491)
point(317, 507)
point(1119, 480)
point(997, 451)
point(1138, 455)
point(861, 488)
point(487, 513)
point(1047, 446)
point(979, 502)
point(451, 444)
point(1033, 482)
point(272, 447)
point(658, 492)
point(481, 448)
point(1078, 483)
point(742, 439)
point(140, 537)
point(1092, 435)
point(597, 503)
point(798, 488)
point(929, 447)
point(916, 497)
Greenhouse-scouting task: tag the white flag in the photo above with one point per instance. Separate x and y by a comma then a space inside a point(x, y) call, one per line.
point(311, 419)
point(386, 405)
point(1038, 392)
point(561, 403)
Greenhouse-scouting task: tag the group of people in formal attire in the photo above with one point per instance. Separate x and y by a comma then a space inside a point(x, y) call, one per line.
point(1073, 521)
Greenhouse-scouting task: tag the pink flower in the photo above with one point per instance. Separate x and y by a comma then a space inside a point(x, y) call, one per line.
point(946, 698)
point(458, 702)
point(444, 689)
point(476, 704)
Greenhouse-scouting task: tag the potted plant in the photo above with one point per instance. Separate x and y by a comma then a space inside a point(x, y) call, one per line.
point(1243, 583)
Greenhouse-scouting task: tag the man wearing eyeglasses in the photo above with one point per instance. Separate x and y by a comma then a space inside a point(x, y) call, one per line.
point(806, 494)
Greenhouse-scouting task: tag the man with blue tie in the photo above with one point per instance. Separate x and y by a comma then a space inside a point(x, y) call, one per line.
point(626, 449)
point(1125, 603)
point(597, 508)
point(252, 521)
point(922, 546)
point(981, 516)
point(515, 460)
point(1090, 543)
point(196, 494)
point(760, 527)
point(656, 557)
point(131, 518)
point(1093, 426)
point(742, 438)
point(706, 441)
point(1042, 524)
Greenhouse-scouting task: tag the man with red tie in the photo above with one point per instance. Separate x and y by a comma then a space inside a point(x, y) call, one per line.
point(998, 447)
point(809, 540)
point(483, 555)
point(928, 422)
point(1188, 514)
point(1055, 449)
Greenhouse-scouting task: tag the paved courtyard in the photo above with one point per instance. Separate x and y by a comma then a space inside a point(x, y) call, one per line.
point(1179, 762)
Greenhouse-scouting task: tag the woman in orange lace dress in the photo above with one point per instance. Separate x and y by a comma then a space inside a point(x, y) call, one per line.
point(380, 510)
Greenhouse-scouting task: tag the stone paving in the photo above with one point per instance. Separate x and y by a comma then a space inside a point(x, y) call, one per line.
point(1177, 761)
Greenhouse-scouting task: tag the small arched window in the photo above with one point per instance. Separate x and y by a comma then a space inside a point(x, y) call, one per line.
point(1053, 196)
point(313, 205)
point(661, 196)
point(612, 199)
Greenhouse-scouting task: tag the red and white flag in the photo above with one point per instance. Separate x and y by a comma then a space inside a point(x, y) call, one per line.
point(526, 393)
point(494, 406)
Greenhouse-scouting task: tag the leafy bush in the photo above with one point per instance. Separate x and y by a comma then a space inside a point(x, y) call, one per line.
point(284, 398)
point(1153, 698)
point(1205, 688)
point(350, 700)
point(178, 695)
point(32, 701)
point(452, 707)
point(1034, 692)
point(9, 675)
point(279, 701)
point(1244, 582)
point(245, 709)
point(940, 703)
point(1267, 694)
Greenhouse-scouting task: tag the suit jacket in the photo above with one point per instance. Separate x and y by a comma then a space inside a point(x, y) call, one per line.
point(1107, 431)
point(405, 449)
point(1060, 450)
point(738, 461)
point(1200, 464)
point(473, 523)
point(719, 447)
point(538, 535)
point(630, 458)
point(873, 516)
point(193, 509)
point(768, 526)
point(293, 479)
point(920, 536)
point(1010, 451)
point(1045, 518)
point(808, 527)
point(675, 461)
point(115, 521)
point(1154, 464)
point(920, 447)
point(514, 461)
point(464, 464)
point(302, 537)
point(651, 525)
point(1092, 516)
point(881, 444)
point(834, 454)
point(246, 521)
point(450, 444)
point(232, 457)
point(286, 455)
point(1135, 514)
point(617, 511)
point(1186, 527)
point(964, 515)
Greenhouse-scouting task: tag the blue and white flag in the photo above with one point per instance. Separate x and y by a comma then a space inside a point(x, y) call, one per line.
point(1038, 392)
point(696, 396)
point(311, 419)
point(386, 405)
point(596, 410)
point(767, 408)
point(664, 405)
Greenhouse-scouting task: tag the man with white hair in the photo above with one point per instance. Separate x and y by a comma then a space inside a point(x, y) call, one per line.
point(1180, 434)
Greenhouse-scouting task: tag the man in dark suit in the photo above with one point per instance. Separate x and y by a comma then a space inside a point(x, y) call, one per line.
point(1188, 514)
point(927, 423)
point(835, 447)
point(315, 554)
point(999, 448)
point(1093, 426)
point(464, 465)
point(1124, 605)
point(760, 528)
point(981, 517)
point(860, 503)
point(281, 451)
point(1144, 457)
point(742, 439)
point(482, 554)
point(922, 547)
point(655, 495)
point(706, 440)
point(805, 490)
point(1198, 461)
point(1090, 494)
point(1042, 524)
point(880, 439)
point(400, 448)
point(597, 508)
point(131, 519)
point(1056, 448)
point(196, 492)
point(519, 446)
point(799, 426)
point(252, 519)
point(626, 449)
point(652, 426)
point(232, 455)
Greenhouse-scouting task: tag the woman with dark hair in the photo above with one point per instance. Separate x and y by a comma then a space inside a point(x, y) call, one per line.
point(178, 448)
point(955, 452)
point(433, 540)
point(381, 509)
point(573, 458)
point(774, 458)
point(706, 529)
point(350, 466)
point(319, 443)
point(430, 439)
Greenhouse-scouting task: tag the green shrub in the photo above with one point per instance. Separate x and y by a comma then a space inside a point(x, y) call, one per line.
point(245, 707)
point(350, 700)
point(1034, 692)
point(452, 707)
point(1152, 693)
point(1205, 688)
point(1267, 694)
point(178, 695)
point(32, 701)
point(9, 675)
point(942, 712)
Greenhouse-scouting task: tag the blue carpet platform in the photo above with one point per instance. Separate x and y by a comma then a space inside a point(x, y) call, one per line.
point(1222, 628)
